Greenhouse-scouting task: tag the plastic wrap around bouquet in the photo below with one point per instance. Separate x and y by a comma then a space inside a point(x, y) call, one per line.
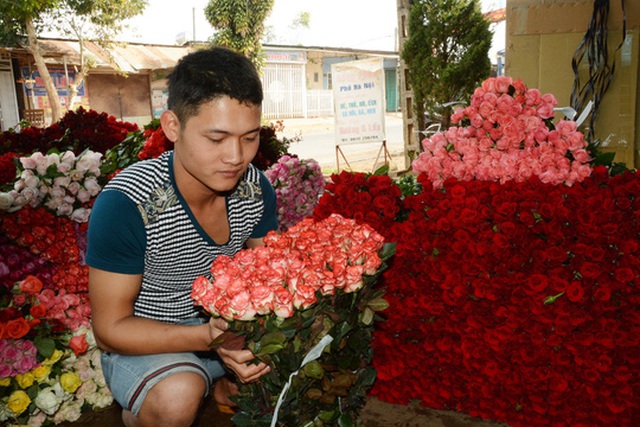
point(306, 304)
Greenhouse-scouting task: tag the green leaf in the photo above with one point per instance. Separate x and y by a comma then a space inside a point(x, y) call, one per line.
point(345, 420)
point(604, 159)
point(388, 250)
point(378, 304)
point(45, 346)
point(368, 376)
point(382, 170)
point(270, 349)
point(367, 316)
point(276, 337)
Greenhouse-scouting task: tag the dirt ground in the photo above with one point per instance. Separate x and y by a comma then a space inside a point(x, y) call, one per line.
point(375, 414)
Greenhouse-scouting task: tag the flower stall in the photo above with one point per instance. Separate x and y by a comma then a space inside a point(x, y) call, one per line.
point(514, 290)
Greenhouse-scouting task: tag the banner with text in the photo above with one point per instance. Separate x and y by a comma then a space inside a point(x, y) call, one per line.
point(358, 95)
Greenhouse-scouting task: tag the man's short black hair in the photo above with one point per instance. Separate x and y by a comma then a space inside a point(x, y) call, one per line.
point(211, 73)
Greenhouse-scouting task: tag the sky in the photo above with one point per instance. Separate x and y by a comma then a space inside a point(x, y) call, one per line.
point(356, 24)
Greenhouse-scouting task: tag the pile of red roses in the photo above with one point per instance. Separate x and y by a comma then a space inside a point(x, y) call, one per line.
point(76, 131)
point(516, 302)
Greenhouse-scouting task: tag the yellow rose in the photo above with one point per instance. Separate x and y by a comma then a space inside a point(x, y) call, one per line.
point(70, 381)
point(57, 355)
point(41, 373)
point(18, 402)
point(5, 382)
point(25, 380)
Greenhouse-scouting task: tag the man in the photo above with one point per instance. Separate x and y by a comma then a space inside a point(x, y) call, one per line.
point(159, 224)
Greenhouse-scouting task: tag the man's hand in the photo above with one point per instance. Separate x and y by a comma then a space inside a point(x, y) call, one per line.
point(233, 353)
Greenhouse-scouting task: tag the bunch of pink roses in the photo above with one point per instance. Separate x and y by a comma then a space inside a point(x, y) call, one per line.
point(17, 357)
point(62, 182)
point(506, 134)
point(299, 185)
point(285, 274)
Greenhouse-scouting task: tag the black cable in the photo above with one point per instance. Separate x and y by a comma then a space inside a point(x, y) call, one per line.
point(600, 73)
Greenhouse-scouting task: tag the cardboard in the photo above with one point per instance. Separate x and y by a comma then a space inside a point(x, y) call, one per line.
point(542, 37)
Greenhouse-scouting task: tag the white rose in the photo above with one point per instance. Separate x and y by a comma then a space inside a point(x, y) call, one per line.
point(30, 194)
point(27, 173)
point(81, 215)
point(19, 185)
point(29, 162)
point(6, 201)
point(37, 420)
point(91, 184)
point(32, 182)
point(74, 187)
point(64, 209)
point(83, 196)
point(48, 401)
point(61, 181)
point(69, 411)
point(76, 175)
point(19, 200)
point(68, 158)
point(57, 192)
point(52, 159)
point(102, 399)
point(53, 202)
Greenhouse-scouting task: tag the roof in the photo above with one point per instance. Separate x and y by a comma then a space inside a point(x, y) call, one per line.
point(141, 58)
point(128, 57)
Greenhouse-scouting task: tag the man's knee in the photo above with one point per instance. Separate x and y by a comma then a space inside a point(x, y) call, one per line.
point(174, 401)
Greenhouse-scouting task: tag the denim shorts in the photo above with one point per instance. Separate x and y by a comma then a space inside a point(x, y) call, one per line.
point(131, 377)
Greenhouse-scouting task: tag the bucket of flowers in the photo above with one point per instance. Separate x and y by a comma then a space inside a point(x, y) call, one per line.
point(306, 304)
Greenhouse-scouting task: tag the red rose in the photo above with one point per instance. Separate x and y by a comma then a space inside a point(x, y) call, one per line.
point(624, 275)
point(31, 285)
point(17, 328)
point(38, 311)
point(575, 291)
point(78, 344)
point(590, 270)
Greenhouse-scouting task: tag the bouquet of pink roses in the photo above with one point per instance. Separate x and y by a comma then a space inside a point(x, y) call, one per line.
point(312, 284)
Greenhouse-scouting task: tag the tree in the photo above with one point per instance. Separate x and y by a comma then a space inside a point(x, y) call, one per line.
point(446, 53)
point(71, 17)
point(97, 20)
point(240, 24)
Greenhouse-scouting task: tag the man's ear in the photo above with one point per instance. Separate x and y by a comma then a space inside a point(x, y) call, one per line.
point(170, 125)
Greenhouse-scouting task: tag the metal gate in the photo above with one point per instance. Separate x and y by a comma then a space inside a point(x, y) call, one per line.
point(284, 91)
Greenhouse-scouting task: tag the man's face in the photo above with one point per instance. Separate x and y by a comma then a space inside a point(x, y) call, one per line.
point(214, 148)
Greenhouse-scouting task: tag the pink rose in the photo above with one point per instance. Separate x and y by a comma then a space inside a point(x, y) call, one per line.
point(283, 303)
point(502, 84)
point(262, 298)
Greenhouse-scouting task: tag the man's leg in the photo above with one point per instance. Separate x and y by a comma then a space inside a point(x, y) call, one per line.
point(173, 401)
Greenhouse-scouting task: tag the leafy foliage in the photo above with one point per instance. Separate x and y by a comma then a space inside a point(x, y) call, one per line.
point(447, 52)
point(240, 24)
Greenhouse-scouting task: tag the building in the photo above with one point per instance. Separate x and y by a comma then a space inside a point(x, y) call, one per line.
point(129, 82)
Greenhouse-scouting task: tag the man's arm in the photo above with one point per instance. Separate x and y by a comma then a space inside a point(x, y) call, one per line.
point(117, 330)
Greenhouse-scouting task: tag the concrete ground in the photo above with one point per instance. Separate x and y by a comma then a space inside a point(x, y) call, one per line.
point(318, 143)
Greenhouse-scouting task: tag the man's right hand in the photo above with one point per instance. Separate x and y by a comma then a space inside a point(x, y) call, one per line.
point(234, 354)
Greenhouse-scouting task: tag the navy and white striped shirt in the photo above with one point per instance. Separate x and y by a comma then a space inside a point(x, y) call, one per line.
point(140, 224)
